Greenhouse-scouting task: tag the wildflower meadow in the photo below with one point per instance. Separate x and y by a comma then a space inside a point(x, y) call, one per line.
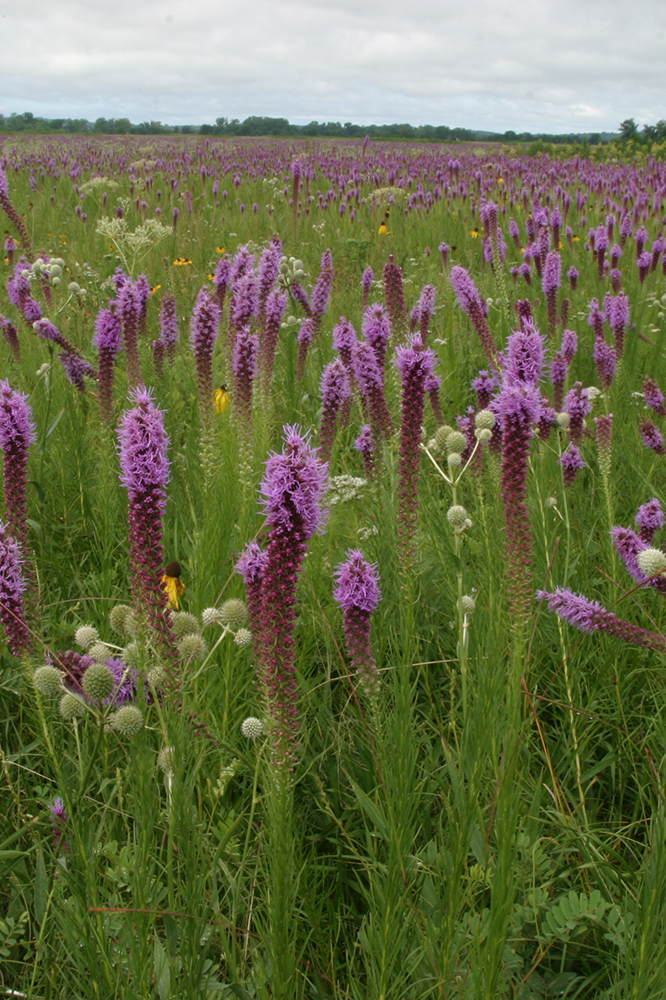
point(332, 571)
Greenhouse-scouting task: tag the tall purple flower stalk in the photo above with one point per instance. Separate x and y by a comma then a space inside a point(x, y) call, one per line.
point(276, 303)
point(130, 309)
point(144, 472)
point(369, 379)
point(335, 392)
point(415, 365)
point(376, 330)
point(358, 594)
point(14, 217)
point(577, 404)
point(571, 461)
point(550, 282)
point(426, 310)
point(321, 292)
point(169, 325)
point(17, 432)
point(365, 443)
point(203, 334)
point(470, 302)
point(107, 340)
point(590, 616)
point(10, 333)
point(395, 299)
point(244, 368)
point(292, 489)
point(653, 396)
point(77, 369)
point(518, 409)
point(366, 286)
point(306, 335)
point(221, 280)
point(251, 566)
point(12, 588)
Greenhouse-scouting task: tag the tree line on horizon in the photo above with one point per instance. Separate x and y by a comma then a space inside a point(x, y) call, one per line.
point(256, 125)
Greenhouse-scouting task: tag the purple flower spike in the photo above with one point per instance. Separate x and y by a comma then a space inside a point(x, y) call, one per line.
point(306, 335)
point(395, 299)
point(321, 292)
point(652, 436)
point(605, 359)
point(572, 275)
point(471, 303)
point(415, 365)
point(618, 317)
point(650, 518)
point(344, 338)
point(365, 443)
point(426, 307)
point(370, 383)
point(357, 592)
point(550, 282)
point(524, 356)
point(77, 369)
point(276, 303)
point(203, 334)
point(169, 326)
point(292, 489)
point(10, 333)
point(17, 432)
point(144, 472)
point(366, 285)
point(12, 588)
point(590, 616)
point(335, 391)
point(571, 461)
point(654, 397)
point(577, 404)
point(376, 330)
point(107, 340)
point(14, 217)
point(251, 566)
point(244, 367)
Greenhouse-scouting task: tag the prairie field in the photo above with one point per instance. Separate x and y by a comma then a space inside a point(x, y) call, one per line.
point(331, 572)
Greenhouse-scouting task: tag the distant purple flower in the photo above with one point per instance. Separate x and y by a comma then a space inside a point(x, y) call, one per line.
point(650, 518)
point(12, 588)
point(321, 292)
point(415, 364)
point(569, 345)
point(276, 303)
point(471, 303)
point(366, 284)
point(484, 386)
point(550, 282)
point(299, 295)
point(426, 310)
point(375, 328)
point(618, 318)
point(605, 360)
point(335, 391)
point(357, 592)
point(365, 443)
point(577, 404)
point(444, 250)
point(268, 271)
point(203, 334)
point(144, 472)
point(643, 263)
point(525, 271)
point(395, 299)
point(130, 310)
point(652, 436)
point(222, 279)
point(653, 396)
point(571, 461)
point(14, 217)
point(169, 325)
point(47, 331)
point(10, 334)
point(641, 238)
point(306, 335)
point(251, 566)
point(572, 275)
point(244, 367)
point(344, 338)
point(244, 305)
point(370, 381)
point(590, 616)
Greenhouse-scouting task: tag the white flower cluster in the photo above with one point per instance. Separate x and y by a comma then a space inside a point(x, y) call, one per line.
point(342, 489)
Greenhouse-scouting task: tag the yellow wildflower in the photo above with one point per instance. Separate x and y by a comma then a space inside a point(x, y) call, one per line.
point(221, 399)
point(172, 585)
point(182, 262)
point(220, 250)
point(575, 239)
point(474, 234)
point(153, 290)
point(500, 180)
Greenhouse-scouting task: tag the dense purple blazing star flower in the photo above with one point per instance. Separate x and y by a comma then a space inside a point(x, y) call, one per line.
point(524, 358)
point(12, 588)
point(107, 340)
point(415, 365)
point(244, 367)
point(650, 518)
point(369, 379)
point(376, 330)
point(276, 303)
point(321, 292)
point(652, 436)
point(471, 303)
point(572, 275)
point(130, 310)
point(571, 461)
point(484, 386)
point(13, 216)
point(251, 566)
point(169, 325)
point(550, 282)
point(77, 369)
point(203, 334)
point(605, 359)
point(365, 443)
point(590, 616)
point(653, 396)
point(10, 333)
point(395, 299)
point(358, 594)
point(426, 309)
point(17, 432)
point(366, 285)
point(222, 279)
point(577, 404)
point(144, 472)
point(306, 335)
point(47, 331)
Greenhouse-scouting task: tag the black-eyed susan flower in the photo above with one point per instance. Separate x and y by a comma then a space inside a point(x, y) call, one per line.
point(220, 250)
point(221, 399)
point(474, 234)
point(383, 229)
point(181, 262)
point(172, 585)
point(154, 289)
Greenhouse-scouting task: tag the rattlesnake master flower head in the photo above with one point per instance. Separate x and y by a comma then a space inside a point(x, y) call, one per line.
point(128, 720)
point(233, 612)
point(100, 652)
point(457, 517)
point(71, 707)
point(243, 637)
point(166, 759)
point(98, 682)
point(652, 561)
point(210, 617)
point(192, 648)
point(184, 623)
point(48, 681)
point(86, 636)
point(123, 621)
point(456, 442)
point(485, 420)
point(252, 728)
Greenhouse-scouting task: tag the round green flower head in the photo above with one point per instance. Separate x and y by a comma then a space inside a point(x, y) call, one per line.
point(48, 681)
point(123, 620)
point(131, 655)
point(485, 420)
point(71, 707)
point(98, 682)
point(467, 604)
point(86, 636)
point(243, 637)
point(192, 648)
point(157, 677)
point(441, 435)
point(652, 561)
point(483, 434)
point(210, 616)
point(457, 517)
point(252, 728)
point(454, 460)
point(456, 442)
point(233, 612)
point(100, 652)
point(183, 623)
point(128, 720)
point(165, 759)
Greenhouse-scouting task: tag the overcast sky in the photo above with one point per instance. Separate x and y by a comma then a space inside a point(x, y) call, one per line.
point(535, 65)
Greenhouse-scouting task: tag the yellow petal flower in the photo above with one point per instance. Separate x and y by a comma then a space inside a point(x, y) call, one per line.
point(174, 588)
point(221, 399)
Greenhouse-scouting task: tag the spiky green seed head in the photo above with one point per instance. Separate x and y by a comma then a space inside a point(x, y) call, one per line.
point(456, 442)
point(157, 677)
point(210, 617)
point(233, 612)
point(98, 682)
point(243, 637)
point(652, 561)
point(467, 604)
point(252, 728)
point(71, 707)
point(100, 652)
point(86, 636)
point(165, 760)
point(457, 517)
point(485, 420)
point(128, 720)
point(183, 623)
point(123, 620)
point(483, 434)
point(563, 420)
point(192, 648)
point(48, 681)
point(441, 435)
point(131, 655)
point(454, 460)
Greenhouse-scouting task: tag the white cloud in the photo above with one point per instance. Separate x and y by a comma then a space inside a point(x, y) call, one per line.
point(541, 64)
